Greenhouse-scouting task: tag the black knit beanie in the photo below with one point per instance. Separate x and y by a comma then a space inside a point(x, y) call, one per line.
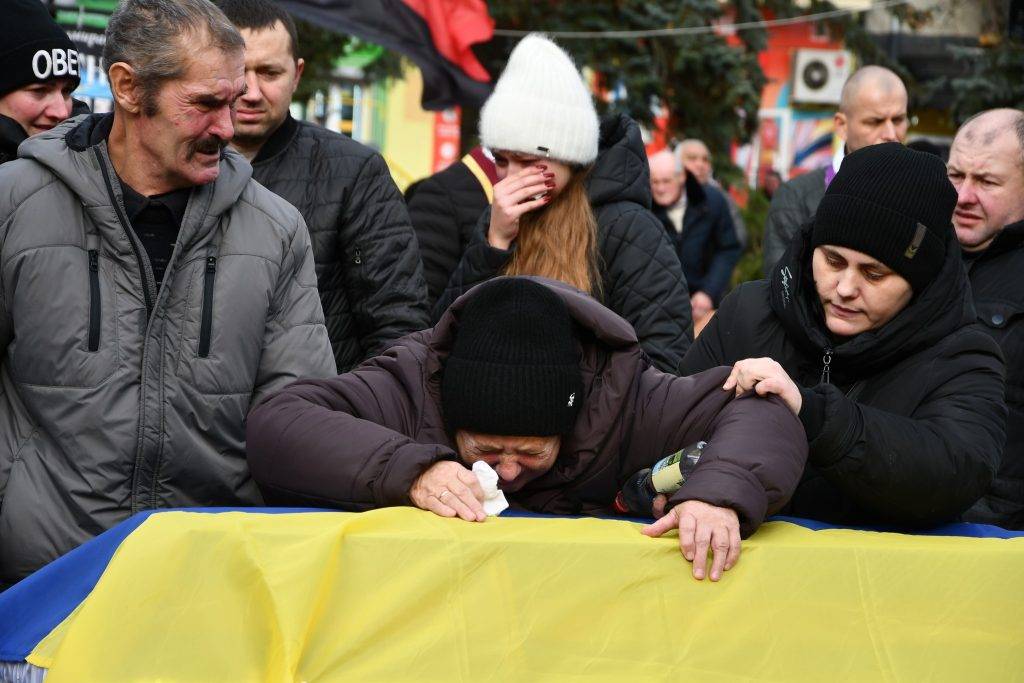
point(893, 204)
point(514, 367)
point(33, 48)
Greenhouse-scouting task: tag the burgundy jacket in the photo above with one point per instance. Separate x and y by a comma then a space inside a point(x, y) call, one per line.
point(359, 440)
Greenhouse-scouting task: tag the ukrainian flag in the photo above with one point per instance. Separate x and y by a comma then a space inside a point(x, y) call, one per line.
point(400, 594)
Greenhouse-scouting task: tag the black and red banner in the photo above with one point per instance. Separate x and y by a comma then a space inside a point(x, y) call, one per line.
point(436, 35)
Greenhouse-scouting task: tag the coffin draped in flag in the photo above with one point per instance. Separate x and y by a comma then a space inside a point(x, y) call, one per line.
point(436, 35)
point(402, 594)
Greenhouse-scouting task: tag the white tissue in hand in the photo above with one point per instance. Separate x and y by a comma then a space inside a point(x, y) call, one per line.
point(494, 499)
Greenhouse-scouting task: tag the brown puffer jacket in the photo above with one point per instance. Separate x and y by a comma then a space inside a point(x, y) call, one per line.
point(359, 441)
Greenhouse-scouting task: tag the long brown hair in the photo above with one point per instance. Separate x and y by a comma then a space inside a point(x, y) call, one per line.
point(559, 241)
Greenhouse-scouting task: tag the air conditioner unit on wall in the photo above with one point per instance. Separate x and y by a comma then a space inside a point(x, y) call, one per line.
point(818, 75)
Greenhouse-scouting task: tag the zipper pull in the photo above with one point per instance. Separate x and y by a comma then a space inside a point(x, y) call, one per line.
point(826, 367)
point(211, 264)
point(359, 257)
point(94, 260)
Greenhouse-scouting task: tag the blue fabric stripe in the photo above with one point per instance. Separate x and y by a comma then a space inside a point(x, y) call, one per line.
point(958, 529)
point(32, 608)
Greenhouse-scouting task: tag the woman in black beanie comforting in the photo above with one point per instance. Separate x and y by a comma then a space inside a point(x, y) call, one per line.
point(866, 330)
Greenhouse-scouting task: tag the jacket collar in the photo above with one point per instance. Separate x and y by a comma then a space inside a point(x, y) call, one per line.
point(695, 192)
point(941, 308)
point(11, 135)
point(278, 141)
point(1009, 238)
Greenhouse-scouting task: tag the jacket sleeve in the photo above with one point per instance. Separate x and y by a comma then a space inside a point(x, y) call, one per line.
point(341, 442)
point(295, 342)
point(435, 221)
point(926, 468)
point(785, 217)
point(726, 252)
point(644, 284)
point(480, 262)
point(756, 447)
point(387, 270)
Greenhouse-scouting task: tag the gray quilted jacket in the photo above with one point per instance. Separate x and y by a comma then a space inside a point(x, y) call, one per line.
point(117, 396)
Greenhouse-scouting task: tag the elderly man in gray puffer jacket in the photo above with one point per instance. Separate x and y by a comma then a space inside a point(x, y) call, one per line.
point(150, 293)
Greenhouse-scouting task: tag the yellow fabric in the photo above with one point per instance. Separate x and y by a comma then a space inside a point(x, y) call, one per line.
point(400, 594)
point(481, 176)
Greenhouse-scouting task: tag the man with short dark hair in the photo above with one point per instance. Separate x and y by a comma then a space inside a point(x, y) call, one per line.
point(152, 292)
point(986, 166)
point(367, 261)
point(872, 109)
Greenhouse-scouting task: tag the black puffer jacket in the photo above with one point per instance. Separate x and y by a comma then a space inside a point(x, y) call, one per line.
point(999, 297)
point(910, 428)
point(367, 263)
point(444, 210)
point(643, 280)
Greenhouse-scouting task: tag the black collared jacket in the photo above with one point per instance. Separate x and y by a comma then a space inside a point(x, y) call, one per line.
point(998, 286)
point(367, 260)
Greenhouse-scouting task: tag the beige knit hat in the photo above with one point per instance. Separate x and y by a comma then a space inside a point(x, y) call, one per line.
point(541, 106)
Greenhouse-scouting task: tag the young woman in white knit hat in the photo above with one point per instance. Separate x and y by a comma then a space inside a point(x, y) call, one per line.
point(573, 202)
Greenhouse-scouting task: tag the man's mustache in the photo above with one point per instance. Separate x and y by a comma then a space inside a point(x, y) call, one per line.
point(207, 145)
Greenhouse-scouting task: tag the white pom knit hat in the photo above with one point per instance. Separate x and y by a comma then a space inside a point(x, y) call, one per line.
point(541, 106)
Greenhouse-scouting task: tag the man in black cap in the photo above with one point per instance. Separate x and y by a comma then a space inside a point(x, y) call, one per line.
point(39, 68)
point(867, 331)
point(552, 390)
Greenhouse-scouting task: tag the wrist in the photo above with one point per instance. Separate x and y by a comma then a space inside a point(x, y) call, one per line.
point(497, 241)
point(812, 412)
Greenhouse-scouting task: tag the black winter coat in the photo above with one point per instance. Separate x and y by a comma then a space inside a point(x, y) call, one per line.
point(996, 280)
point(708, 247)
point(909, 430)
point(643, 280)
point(444, 210)
point(367, 262)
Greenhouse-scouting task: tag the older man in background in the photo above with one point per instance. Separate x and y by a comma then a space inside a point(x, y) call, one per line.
point(696, 218)
point(696, 158)
point(986, 166)
point(872, 109)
